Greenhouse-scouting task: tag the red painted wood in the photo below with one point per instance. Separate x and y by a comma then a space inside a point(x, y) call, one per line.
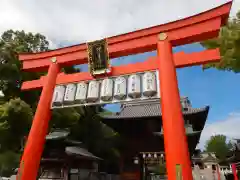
point(218, 172)
point(221, 11)
point(181, 59)
point(197, 32)
point(135, 175)
point(196, 28)
point(175, 140)
point(234, 171)
point(35, 143)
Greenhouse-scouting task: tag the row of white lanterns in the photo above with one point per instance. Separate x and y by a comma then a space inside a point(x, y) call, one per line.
point(150, 158)
point(123, 88)
point(150, 155)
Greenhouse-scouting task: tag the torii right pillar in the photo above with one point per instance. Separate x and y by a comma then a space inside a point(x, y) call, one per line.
point(234, 171)
point(175, 141)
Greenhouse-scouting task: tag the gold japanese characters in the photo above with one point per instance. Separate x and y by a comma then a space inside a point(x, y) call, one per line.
point(108, 90)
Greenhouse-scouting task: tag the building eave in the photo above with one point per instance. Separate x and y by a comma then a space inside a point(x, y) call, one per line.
point(148, 110)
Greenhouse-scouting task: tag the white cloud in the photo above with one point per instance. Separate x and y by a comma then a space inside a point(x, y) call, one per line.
point(75, 21)
point(228, 127)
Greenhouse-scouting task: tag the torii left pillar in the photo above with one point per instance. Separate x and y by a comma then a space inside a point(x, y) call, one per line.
point(36, 139)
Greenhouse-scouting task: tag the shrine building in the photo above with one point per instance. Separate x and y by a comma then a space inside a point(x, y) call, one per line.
point(64, 158)
point(139, 87)
point(139, 124)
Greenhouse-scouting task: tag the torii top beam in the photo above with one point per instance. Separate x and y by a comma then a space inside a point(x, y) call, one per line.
point(192, 29)
point(195, 28)
point(180, 60)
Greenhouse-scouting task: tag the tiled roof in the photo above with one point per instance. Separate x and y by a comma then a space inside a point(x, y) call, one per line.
point(57, 134)
point(61, 134)
point(80, 151)
point(187, 133)
point(206, 157)
point(210, 159)
point(149, 108)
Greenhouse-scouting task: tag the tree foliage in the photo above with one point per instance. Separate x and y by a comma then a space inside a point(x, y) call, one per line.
point(229, 44)
point(219, 145)
point(98, 138)
point(65, 118)
point(12, 43)
point(9, 160)
point(93, 132)
point(17, 107)
point(15, 121)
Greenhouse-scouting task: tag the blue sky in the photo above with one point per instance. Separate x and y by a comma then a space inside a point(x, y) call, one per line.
point(76, 21)
point(219, 89)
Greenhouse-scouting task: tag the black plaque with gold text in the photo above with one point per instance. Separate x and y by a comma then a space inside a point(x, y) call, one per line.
point(98, 58)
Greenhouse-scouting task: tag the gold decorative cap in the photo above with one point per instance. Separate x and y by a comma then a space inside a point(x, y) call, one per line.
point(162, 36)
point(54, 59)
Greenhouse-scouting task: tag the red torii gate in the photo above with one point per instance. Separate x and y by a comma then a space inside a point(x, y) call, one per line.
point(161, 38)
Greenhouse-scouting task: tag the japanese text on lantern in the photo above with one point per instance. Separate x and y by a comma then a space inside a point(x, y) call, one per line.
point(133, 87)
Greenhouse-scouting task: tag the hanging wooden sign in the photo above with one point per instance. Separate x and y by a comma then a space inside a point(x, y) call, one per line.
point(98, 58)
point(153, 157)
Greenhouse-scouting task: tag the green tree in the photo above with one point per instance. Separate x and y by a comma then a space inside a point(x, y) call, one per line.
point(8, 161)
point(219, 145)
point(98, 138)
point(17, 107)
point(90, 130)
point(16, 115)
point(15, 121)
point(12, 43)
point(229, 44)
point(65, 118)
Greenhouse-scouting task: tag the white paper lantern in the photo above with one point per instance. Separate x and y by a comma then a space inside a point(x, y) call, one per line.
point(120, 88)
point(58, 95)
point(70, 94)
point(149, 84)
point(93, 91)
point(81, 93)
point(134, 86)
point(107, 89)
